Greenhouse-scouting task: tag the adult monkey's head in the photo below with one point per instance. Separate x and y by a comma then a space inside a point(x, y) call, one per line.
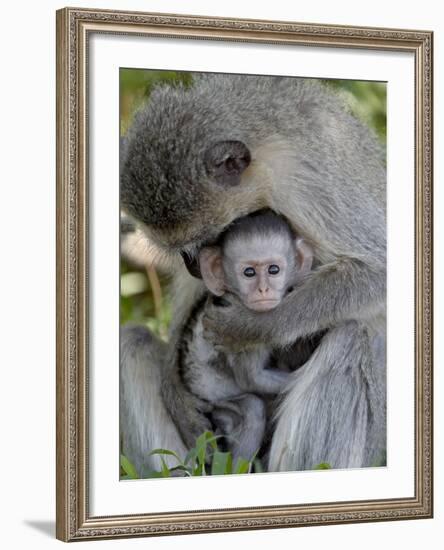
point(186, 170)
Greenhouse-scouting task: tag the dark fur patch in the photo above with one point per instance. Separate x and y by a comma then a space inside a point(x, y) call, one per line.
point(263, 222)
point(186, 337)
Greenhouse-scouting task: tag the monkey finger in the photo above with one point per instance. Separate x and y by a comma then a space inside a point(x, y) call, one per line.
point(204, 406)
point(197, 424)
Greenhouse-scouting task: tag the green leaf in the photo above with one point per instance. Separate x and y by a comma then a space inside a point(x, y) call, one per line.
point(242, 466)
point(258, 466)
point(212, 440)
point(190, 460)
point(165, 470)
point(201, 447)
point(190, 457)
point(128, 468)
point(205, 440)
point(165, 452)
point(197, 471)
point(201, 450)
point(221, 464)
point(323, 466)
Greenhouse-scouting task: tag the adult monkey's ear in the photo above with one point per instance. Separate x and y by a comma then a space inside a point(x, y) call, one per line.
point(225, 161)
point(210, 262)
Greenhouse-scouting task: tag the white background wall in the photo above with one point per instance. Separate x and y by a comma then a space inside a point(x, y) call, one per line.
point(27, 300)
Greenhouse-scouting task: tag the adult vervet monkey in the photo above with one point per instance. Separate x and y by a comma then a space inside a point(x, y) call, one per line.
point(197, 159)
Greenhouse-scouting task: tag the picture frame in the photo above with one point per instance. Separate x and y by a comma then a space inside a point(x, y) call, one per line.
point(76, 468)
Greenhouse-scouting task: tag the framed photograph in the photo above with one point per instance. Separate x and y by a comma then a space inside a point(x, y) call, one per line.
point(244, 274)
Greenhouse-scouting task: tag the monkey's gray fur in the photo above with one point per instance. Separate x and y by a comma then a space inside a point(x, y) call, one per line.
point(145, 423)
point(228, 381)
point(294, 149)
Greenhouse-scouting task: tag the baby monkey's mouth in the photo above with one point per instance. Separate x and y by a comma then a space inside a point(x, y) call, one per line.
point(263, 305)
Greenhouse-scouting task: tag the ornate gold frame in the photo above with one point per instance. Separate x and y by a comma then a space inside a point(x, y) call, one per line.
point(73, 28)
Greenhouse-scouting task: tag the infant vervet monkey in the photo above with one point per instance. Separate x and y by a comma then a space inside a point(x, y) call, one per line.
point(259, 258)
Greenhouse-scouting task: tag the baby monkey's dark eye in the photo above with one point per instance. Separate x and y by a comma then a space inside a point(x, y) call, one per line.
point(273, 269)
point(249, 272)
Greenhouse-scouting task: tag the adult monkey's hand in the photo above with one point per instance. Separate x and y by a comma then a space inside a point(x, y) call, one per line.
point(342, 289)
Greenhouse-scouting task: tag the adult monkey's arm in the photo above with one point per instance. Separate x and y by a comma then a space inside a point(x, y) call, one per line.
point(338, 292)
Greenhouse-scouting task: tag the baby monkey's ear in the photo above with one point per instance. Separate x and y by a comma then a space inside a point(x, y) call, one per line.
point(210, 262)
point(304, 255)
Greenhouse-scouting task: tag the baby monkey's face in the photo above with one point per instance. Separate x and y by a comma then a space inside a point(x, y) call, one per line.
point(259, 271)
point(259, 268)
